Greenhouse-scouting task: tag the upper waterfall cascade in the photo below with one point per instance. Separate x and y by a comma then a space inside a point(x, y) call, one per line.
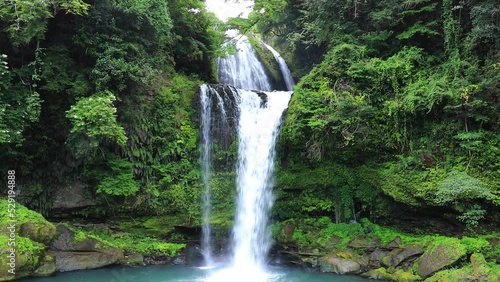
point(243, 70)
point(285, 71)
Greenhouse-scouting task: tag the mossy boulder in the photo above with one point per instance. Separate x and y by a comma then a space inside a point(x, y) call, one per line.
point(38, 232)
point(377, 274)
point(375, 257)
point(23, 261)
point(339, 265)
point(133, 259)
point(365, 242)
point(31, 236)
point(28, 223)
point(479, 265)
point(391, 274)
point(394, 244)
point(76, 250)
point(477, 270)
point(342, 262)
point(397, 256)
point(47, 265)
point(440, 255)
point(157, 227)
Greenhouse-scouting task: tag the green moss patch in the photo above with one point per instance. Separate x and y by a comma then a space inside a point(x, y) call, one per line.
point(130, 243)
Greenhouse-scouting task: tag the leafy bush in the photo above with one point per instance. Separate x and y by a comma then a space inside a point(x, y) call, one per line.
point(460, 188)
point(94, 124)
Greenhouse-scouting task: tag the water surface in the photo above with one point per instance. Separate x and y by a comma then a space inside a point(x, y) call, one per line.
point(186, 274)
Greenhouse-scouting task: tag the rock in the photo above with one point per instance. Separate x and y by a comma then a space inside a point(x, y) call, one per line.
point(179, 260)
point(397, 256)
point(375, 257)
point(157, 260)
point(365, 242)
point(42, 232)
point(377, 274)
point(194, 255)
point(397, 275)
point(67, 241)
point(332, 243)
point(82, 253)
point(77, 260)
point(310, 263)
point(479, 265)
point(33, 233)
point(339, 265)
point(284, 258)
point(134, 259)
point(47, 266)
point(437, 257)
point(286, 232)
point(394, 244)
point(70, 198)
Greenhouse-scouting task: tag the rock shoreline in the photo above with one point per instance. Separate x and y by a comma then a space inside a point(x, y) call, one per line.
point(44, 248)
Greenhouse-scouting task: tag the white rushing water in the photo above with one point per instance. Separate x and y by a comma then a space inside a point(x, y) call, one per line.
point(212, 115)
point(258, 127)
point(257, 132)
point(243, 70)
point(258, 123)
point(285, 71)
point(206, 111)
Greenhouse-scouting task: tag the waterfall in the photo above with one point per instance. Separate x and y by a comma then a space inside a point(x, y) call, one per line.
point(250, 110)
point(257, 132)
point(243, 70)
point(206, 110)
point(259, 116)
point(214, 121)
point(285, 71)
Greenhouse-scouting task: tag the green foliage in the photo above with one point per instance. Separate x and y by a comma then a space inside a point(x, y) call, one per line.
point(27, 20)
point(22, 215)
point(163, 151)
point(20, 105)
point(402, 94)
point(460, 188)
point(326, 189)
point(129, 47)
point(119, 181)
point(94, 124)
point(311, 233)
point(130, 243)
point(476, 245)
point(198, 36)
point(485, 22)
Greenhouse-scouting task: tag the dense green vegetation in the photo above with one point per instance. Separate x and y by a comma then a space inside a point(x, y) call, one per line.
point(102, 93)
point(394, 119)
point(399, 113)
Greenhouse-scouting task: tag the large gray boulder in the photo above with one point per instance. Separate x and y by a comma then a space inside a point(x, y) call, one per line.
point(439, 256)
point(69, 261)
point(82, 253)
point(331, 263)
point(365, 242)
point(375, 257)
point(72, 197)
point(397, 256)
